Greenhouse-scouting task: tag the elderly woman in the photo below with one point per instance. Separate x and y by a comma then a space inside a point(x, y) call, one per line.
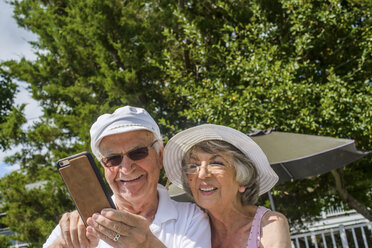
point(225, 171)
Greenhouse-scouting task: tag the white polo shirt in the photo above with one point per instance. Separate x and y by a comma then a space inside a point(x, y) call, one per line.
point(176, 224)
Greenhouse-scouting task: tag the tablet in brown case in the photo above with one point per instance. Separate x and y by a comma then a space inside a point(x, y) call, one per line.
point(85, 184)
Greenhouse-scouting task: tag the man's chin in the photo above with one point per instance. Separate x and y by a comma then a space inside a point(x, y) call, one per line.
point(132, 191)
point(135, 194)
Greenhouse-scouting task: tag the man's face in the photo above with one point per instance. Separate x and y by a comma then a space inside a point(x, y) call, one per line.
point(133, 181)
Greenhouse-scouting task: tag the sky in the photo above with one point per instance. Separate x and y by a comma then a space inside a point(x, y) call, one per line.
point(14, 45)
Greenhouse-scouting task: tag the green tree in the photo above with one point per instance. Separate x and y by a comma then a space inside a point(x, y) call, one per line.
point(5, 241)
point(300, 66)
point(8, 89)
point(7, 92)
point(92, 56)
point(33, 209)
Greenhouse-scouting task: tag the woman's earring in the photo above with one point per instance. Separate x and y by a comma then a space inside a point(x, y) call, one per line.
point(241, 189)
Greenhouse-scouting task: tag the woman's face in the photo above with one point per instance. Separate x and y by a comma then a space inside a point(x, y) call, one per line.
point(213, 187)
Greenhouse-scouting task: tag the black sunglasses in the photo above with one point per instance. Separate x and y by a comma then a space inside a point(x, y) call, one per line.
point(135, 154)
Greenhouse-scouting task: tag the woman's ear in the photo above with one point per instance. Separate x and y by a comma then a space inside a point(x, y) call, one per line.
point(241, 189)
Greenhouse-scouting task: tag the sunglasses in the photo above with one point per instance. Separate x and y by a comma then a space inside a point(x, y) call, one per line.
point(135, 154)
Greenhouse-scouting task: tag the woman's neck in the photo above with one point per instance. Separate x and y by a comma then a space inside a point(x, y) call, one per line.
point(231, 225)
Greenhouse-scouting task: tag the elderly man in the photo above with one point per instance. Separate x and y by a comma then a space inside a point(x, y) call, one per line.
point(129, 146)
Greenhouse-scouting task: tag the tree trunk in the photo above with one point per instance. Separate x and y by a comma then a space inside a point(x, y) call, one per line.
point(346, 197)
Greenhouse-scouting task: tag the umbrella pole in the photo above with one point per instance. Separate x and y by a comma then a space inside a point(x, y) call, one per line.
point(271, 201)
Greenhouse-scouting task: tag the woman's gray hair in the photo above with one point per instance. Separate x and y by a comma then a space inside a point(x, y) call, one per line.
point(245, 172)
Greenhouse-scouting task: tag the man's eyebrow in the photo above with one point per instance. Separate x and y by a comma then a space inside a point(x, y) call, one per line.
point(110, 153)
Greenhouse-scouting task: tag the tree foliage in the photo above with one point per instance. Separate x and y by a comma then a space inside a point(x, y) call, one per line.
point(8, 89)
point(33, 210)
point(300, 66)
point(7, 92)
point(92, 56)
point(5, 241)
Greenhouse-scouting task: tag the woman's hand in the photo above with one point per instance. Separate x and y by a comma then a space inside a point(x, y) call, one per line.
point(122, 229)
point(73, 232)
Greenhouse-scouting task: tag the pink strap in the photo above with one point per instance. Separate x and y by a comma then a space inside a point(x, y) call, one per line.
point(255, 234)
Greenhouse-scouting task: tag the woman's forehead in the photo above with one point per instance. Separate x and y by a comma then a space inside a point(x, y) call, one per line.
point(199, 154)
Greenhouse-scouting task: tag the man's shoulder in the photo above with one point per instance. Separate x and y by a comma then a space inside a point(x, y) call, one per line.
point(190, 212)
point(182, 208)
point(189, 206)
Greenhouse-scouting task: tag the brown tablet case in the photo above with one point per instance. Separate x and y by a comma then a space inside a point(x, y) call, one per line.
point(84, 184)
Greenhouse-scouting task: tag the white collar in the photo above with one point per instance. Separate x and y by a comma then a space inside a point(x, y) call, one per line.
point(166, 209)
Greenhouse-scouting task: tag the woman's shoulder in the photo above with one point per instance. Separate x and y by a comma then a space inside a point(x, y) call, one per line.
point(274, 218)
point(275, 230)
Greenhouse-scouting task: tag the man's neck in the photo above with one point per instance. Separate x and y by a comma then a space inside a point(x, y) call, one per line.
point(146, 208)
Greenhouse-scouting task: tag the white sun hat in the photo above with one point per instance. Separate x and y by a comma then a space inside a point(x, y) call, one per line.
point(178, 145)
point(124, 119)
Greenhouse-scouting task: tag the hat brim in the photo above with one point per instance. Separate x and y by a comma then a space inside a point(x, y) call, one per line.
point(178, 145)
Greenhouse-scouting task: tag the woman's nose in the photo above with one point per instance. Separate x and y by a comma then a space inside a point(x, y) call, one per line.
point(203, 171)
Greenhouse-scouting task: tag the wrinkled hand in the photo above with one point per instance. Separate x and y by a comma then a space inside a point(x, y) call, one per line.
point(133, 230)
point(74, 232)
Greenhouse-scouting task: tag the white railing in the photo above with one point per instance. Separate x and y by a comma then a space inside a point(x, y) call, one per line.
point(5, 231)
point(19, 245)
point(360, 235)
point(16, 244)
point(336, 211)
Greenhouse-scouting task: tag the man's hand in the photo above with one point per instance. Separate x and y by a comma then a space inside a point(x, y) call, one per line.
point(122, 229)
point(74, 233)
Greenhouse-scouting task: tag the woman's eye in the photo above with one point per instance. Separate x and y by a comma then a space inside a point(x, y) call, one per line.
point(217, 163)
point(193, 166)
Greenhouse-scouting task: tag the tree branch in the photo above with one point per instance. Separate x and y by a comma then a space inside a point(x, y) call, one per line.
point(346, 197)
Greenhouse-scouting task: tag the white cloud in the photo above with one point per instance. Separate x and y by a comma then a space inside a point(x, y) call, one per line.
point(6, 169)
point(33, 109)
point(13, 45)
point(13, 39)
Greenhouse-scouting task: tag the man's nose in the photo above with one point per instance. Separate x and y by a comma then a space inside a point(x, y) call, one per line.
point(126, 164)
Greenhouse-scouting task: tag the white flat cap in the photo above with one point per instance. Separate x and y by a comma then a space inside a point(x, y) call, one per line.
point(124, 119)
